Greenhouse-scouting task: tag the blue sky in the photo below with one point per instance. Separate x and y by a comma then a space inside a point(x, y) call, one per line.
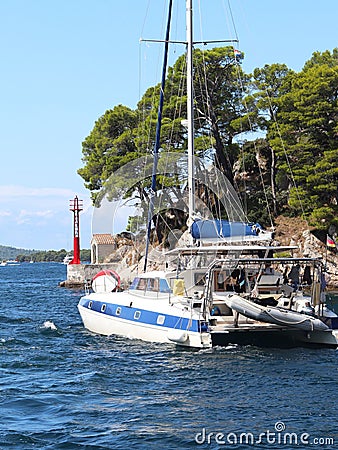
point(65, 62)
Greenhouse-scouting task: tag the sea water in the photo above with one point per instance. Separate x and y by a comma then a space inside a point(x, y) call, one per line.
point(63, 387)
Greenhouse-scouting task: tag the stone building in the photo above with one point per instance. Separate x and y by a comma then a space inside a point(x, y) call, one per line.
point(101, 246)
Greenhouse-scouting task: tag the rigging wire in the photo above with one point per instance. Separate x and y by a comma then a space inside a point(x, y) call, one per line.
point(172, 138)
point(158, 133)
point(145, 118)
point(207, 114)
point(257, 153)
point(232, 21)
point(205, 101)
point(240, 80)
point(280, 137)
point(287, 159)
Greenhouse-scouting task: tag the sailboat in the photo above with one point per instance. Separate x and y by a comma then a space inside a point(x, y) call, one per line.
point(190, 303)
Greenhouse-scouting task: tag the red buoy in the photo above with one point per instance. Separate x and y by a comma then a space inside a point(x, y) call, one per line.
point(106, 281)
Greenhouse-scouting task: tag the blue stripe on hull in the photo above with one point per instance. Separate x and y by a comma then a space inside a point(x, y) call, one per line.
point(145, 317)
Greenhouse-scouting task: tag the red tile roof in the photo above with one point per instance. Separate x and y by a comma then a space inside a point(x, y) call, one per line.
point(103, 239)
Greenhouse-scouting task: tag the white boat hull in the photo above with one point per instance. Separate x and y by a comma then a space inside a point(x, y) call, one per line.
point(257, 333)
point(107, 324)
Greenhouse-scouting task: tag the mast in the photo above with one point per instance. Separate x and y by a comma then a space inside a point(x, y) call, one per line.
point(158, 137)
point(190, 111)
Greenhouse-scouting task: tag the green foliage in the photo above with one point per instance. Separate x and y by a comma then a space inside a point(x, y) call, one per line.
point(109, 145)
point(267, 85)
point(325, 58)
point(134, 224)
point(7, 252)
point(24, 255)
point(121, 135)
point(321, 217)
point(307, 123)
point(292, 170)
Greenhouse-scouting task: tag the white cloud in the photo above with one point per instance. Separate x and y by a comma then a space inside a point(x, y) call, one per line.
point(40, 218)
point(5, 214)
point(25, 213)
point(9, 192)
point(25, 216)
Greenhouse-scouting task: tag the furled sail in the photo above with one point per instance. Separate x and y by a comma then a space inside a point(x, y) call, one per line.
point(223, 229)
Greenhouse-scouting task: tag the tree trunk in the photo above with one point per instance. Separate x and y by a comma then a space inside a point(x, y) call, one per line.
point(222, 163)
point(272, 181)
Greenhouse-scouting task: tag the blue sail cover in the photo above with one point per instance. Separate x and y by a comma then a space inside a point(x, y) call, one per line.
point(222, 229)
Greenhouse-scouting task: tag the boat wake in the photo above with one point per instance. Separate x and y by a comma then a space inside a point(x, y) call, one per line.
point(49, 327)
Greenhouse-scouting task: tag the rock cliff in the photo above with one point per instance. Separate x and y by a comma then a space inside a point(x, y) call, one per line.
point(127, 259)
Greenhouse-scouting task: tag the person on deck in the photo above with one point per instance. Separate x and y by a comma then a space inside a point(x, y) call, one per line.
point(294, 276)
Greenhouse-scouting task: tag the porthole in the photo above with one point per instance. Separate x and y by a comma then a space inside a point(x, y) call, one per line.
point(160, 320)
point(90, 304)
point(118, 311)
point(103, 307)
point(137, 315)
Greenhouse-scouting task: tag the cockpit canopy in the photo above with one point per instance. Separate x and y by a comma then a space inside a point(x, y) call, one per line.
point(153, 284)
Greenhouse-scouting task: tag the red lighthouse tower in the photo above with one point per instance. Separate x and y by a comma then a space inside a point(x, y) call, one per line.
point(76, 206)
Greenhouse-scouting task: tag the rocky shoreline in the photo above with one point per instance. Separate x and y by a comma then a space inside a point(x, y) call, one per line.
point(294, 231)
point(127, 261)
